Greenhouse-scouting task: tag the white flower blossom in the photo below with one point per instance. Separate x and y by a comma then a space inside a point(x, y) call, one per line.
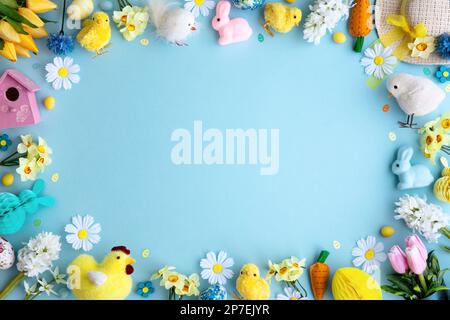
point(38, 254)
point(425, 218)
point(324, 16)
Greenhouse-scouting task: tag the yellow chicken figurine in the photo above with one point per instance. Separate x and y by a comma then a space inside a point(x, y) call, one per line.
point(280, 17)
point(249, 284)
point(109, 280)
point(96, 33)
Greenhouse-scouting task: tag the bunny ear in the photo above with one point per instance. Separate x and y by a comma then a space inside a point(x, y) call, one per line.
point(46, 201)
point(405, 153)
point(223, 8)
point(38, 186)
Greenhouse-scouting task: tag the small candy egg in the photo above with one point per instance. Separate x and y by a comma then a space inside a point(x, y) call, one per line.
point(8, 179)
point(215, 292)
point(49, 102)
point(6, 254)
point(387, 231)
point(290, 1)
point(339, 37)
point(106, 5)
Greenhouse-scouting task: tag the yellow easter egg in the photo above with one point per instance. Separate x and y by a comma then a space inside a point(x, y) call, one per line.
point(387, 231)
point(354, 284)
point(290, 1)
point(339, 37)
point(49, 102)
point(8, 179)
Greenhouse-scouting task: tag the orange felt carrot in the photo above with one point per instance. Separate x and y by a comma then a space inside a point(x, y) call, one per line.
point(360, 22)
point(319, 273)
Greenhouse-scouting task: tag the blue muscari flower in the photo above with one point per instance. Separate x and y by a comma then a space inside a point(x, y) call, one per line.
point(145, 288)
point(443, 46)
point(60, 44)
point(443, 74)
point(5, 142)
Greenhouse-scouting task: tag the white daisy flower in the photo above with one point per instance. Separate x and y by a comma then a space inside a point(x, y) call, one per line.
point(378, 61)
point(216, 270)
point(369, 254)
point(62, 73)
point(83, 233)
point(290, 294)
point(198, 7)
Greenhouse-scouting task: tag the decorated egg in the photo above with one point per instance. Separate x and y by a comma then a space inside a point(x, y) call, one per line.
point(215, 292)
point(6, 254)
point(248, 4)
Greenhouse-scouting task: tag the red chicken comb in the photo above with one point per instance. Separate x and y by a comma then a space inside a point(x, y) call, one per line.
point(122, 248)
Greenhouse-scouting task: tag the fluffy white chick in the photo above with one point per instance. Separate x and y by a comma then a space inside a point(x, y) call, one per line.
point(416, 96)
point(172, 23)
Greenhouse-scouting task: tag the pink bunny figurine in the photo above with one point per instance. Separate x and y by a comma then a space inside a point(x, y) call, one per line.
point(230, 31)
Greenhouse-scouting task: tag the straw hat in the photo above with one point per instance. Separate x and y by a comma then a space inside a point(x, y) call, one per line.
point(434, 14)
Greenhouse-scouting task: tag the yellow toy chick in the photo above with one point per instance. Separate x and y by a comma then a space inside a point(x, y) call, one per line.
point(249, 284)
point(109, 280)
point(280, 17)
point(96, 33)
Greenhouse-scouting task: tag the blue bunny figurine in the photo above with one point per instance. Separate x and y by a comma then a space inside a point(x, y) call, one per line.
point(14, 209)
point(410, 177)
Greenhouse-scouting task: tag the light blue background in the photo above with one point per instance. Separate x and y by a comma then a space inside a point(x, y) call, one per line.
point(111, 140)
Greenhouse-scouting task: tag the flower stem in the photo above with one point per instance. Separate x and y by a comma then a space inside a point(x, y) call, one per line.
point(422, 282)
point(446, 232)
point(11, 285)
point(11, 159)
point(63, 18)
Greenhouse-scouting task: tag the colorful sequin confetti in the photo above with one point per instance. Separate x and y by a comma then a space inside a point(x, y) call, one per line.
point(392, 136)
point(37, 223)
point(426, 71)
point(385, 108)
point(260, 37)
point(144, 42)
point(145, 253)
point(55, 177)
point(336, 244)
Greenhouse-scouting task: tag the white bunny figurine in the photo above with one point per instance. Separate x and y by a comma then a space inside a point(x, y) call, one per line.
point(410, 177)
point(230, 31)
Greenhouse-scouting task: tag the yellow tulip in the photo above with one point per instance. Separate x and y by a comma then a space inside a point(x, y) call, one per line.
point(9, 51)
point(21, 51)
point(27, 42)
point(35, 32)
point(7, 32)
point(31, 16)
point(40, 6)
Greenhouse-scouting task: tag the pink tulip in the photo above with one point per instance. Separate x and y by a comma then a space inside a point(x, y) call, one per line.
point(416, 262)
point(414, 240)
point(398, 260)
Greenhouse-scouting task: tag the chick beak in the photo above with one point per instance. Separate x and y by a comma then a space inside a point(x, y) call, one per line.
point(129, 268)
point(390, 95)
point(193, 28)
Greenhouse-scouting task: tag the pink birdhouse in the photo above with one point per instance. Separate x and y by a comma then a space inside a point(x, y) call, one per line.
point(18, 105)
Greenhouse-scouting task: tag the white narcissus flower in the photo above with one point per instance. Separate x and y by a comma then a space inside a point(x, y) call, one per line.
point(131, 21)
point(46, 287)
point(38, 254)
point(216, 269)
point(27, 169)
point(369, 254)
point(83, 233)
point(62, 73)
point(422, 47)
point(26, 144)
point(421, 216)
point(58, 277)
point(378, 61)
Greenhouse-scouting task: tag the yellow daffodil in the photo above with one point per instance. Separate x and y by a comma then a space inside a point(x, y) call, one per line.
point(422, 47)
point(26, 144)
point(161, 272)
point(273, 270)
point(190, 287)
point(173, 279)
point(131, 21)
point(27, 169)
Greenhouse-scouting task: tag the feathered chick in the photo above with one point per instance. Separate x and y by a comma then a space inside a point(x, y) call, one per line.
point(416, 95)
point(280, 17)
point(108, 280)
point(173, 24)
point(250, 285)
point(96, 33)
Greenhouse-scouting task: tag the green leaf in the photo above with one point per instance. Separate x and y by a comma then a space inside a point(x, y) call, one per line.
point(445, 248)
point(10, 3)
point(47, 20)
point(399, 283)
point(2, 44)
point(13, 14)
point(16, 25)
point(435, 289)
point(394, 291)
